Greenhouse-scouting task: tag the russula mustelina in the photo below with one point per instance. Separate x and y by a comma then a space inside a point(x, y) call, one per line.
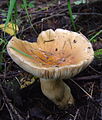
point(57, 55)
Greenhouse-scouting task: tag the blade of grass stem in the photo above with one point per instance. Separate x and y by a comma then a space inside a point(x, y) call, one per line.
point(15, 18)
point(96, 35)
point(21, 52)
point(25, 6)
point(70, 13)
point(11, 6)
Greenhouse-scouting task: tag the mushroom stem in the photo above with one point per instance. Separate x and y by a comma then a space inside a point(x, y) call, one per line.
point(57, 91)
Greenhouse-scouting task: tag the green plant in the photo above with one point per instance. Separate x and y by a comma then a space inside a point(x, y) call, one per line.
point(71, 16)
point(98, 53)
point(28, 5)
point(3, 44)
point(92, 39)
point(12, 18)
point(25, 7)
point(12, 12)
point(12, 5)
point(12, 15)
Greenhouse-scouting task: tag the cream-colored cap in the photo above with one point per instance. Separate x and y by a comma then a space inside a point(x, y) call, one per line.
point(56, 54)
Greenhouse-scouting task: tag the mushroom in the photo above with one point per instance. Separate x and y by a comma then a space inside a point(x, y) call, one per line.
point(57, 55)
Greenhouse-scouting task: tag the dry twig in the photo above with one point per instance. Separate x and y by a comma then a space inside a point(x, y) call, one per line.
point(12, 111)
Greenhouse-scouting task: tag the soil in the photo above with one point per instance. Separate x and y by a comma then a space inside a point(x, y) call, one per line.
point(29, 103)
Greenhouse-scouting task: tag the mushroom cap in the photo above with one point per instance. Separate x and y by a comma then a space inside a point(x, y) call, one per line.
point(56, 54)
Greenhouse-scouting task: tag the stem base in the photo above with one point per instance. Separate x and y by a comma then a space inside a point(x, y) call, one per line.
point(57, 91)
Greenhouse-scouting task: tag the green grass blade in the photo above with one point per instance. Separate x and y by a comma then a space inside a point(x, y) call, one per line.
point(95, 35)
point(11, 6)
point(70, 13)
point(21, 52)
point(25, 6)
